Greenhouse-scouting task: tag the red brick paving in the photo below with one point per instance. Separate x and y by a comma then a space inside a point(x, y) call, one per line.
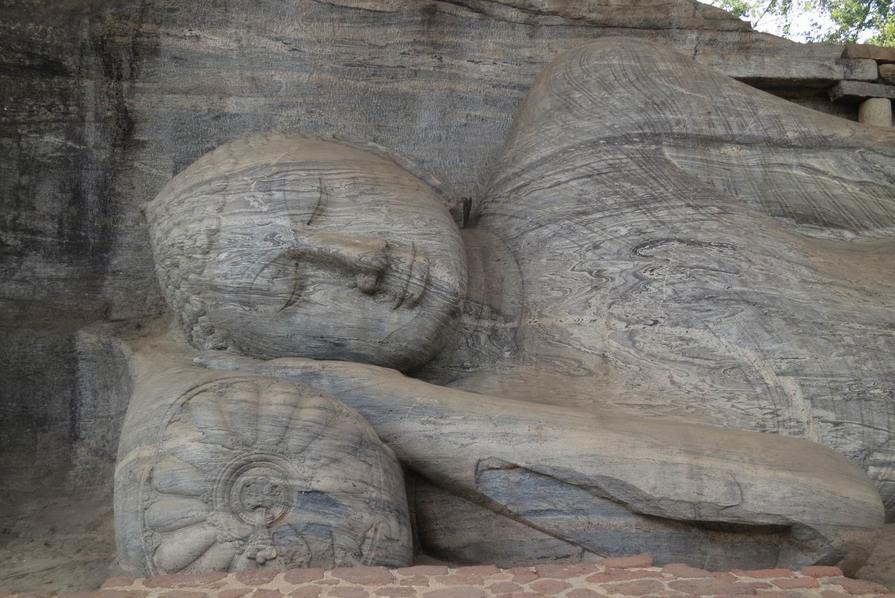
point(796, 582)
point(679, 570)
point(620, 577)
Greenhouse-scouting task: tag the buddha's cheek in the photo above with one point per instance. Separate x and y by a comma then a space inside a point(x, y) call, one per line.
point(351, 327)
point(310, 310)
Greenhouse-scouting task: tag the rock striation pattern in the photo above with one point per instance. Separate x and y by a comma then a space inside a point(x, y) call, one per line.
point(696, 258)
point(103, 102)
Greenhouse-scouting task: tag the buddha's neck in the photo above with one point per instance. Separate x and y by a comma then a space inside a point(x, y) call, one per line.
point(494, 349)
point(485, 332)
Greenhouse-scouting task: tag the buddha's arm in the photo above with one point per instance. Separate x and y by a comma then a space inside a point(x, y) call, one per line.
point(677, 471)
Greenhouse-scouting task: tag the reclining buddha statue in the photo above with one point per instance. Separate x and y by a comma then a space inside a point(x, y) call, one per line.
point(665, 327)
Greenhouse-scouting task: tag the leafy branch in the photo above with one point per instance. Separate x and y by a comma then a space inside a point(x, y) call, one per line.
point(839, 21)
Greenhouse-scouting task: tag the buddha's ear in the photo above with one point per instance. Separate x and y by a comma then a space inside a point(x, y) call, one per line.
point(460, 210)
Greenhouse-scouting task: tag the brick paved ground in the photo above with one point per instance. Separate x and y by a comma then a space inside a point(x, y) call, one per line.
point(616, 577)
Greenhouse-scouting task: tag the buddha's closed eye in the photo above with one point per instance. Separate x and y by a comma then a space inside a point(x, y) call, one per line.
point(277, 279)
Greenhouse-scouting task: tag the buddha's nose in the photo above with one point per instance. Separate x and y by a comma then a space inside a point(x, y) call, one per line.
point(365, 257)
point(376, 264)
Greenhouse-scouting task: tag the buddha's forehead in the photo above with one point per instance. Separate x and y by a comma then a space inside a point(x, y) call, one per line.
point(300, 182)
point(260, 215)
point(296, 161)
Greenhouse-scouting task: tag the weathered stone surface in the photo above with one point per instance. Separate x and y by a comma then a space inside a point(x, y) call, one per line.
point(860, 90)
point(633, 15)
point(457, 529)
point(629, 562)
point(643, 285)
point(765, 71)
point(103, 102)
point(617, 456)
point(879, 53)
point(879, 566)
point(64, 393)
point(861, 586)
point(887, 72)
point(625, 502)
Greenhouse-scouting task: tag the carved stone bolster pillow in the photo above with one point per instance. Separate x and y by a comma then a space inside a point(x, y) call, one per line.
point(243, 472)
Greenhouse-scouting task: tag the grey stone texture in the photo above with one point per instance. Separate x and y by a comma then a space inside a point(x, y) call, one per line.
point(861, 90)
point(103, 102)
point(279, 245)
point(878, 53)
point(598, 482)
point(753, 225)
point(596, 478)
point(887, 72)
point(534, 244)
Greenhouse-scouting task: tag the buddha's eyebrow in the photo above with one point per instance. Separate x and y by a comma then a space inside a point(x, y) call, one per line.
point(322, 196)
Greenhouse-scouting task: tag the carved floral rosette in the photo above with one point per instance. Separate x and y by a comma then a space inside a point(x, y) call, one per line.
point(256, 472)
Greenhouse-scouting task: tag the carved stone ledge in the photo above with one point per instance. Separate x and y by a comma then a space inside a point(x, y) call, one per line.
point(861, 90)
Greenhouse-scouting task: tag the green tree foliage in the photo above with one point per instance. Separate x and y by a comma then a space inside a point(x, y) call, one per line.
point(841, 21)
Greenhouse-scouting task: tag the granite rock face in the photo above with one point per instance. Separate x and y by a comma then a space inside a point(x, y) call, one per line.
point(104, 102)
point(656, 251)
point(887, 73)
point(714, 252)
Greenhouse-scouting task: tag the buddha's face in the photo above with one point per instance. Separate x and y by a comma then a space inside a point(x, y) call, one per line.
point(282, 246)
